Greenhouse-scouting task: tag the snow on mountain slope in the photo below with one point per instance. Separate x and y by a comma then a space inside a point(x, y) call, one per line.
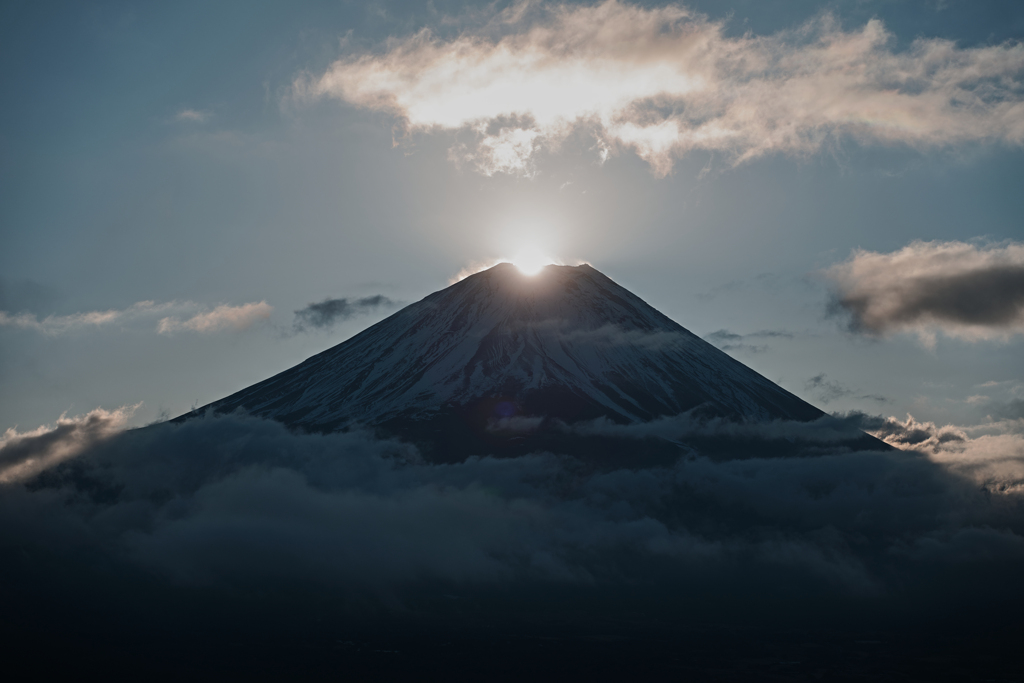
point(568, 343)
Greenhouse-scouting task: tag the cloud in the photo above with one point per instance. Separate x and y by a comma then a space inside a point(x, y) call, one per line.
point(220, 318)
point(612, 335)
point(53, 325)
point(25, 454)
point(474, 268)
point(828, 390)
point(516, 424)
point(192, 115)
point(731, 341)
point(961, 290)
point(828, 434)
point(220, 499)
point(991, 454)
point(329, 312)
point(144, 312)
point(221, 506)
point(665, 82)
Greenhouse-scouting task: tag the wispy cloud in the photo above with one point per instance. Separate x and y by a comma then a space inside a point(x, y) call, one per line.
point(667, 81)
point(959, 289)
point(192, 115)
point(732, 341)
point(612, 335)
point(184, 315)
point(53, 325)
point(828, 390)
point(327, 313)
point(221, 318)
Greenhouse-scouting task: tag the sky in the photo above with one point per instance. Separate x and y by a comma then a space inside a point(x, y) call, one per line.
point(194, 197)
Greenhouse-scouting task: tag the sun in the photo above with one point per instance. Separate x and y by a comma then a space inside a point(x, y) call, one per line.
point(531, 262)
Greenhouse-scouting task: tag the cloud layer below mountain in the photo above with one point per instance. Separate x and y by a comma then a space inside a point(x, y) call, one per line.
point(217, 502)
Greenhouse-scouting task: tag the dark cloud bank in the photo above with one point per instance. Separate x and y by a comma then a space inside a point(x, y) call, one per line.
point(329, 312)
point(229, 531)
point(963, 290)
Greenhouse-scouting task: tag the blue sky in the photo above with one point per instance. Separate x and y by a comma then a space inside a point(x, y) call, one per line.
point(227, 166)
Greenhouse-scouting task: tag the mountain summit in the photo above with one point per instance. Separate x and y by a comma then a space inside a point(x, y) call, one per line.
point(491, 360)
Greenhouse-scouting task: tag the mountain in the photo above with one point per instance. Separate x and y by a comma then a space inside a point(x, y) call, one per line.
point(501, 362)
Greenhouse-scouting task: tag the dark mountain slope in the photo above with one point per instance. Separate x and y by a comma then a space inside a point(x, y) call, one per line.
point(501, 362)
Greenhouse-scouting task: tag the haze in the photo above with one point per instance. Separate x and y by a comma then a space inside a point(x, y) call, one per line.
point(196, 197)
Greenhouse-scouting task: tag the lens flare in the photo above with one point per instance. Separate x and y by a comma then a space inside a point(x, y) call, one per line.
point(531, 262)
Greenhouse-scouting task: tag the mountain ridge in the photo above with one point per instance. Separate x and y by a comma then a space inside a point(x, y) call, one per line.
point(466, 364)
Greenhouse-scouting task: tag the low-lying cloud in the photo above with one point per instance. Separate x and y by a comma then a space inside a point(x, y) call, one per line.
point(961, 290)
point(612, 335)
point(216, 501)
point(329, 312)
point(26, 454)
point(168, 317)
point(991, 454)
point(665, 82)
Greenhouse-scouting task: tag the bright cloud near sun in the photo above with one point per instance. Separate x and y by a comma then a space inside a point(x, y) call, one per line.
point(530, 261)
point(667, 81)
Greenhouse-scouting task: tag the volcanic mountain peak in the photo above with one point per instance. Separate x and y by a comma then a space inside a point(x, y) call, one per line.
point(567, 344)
